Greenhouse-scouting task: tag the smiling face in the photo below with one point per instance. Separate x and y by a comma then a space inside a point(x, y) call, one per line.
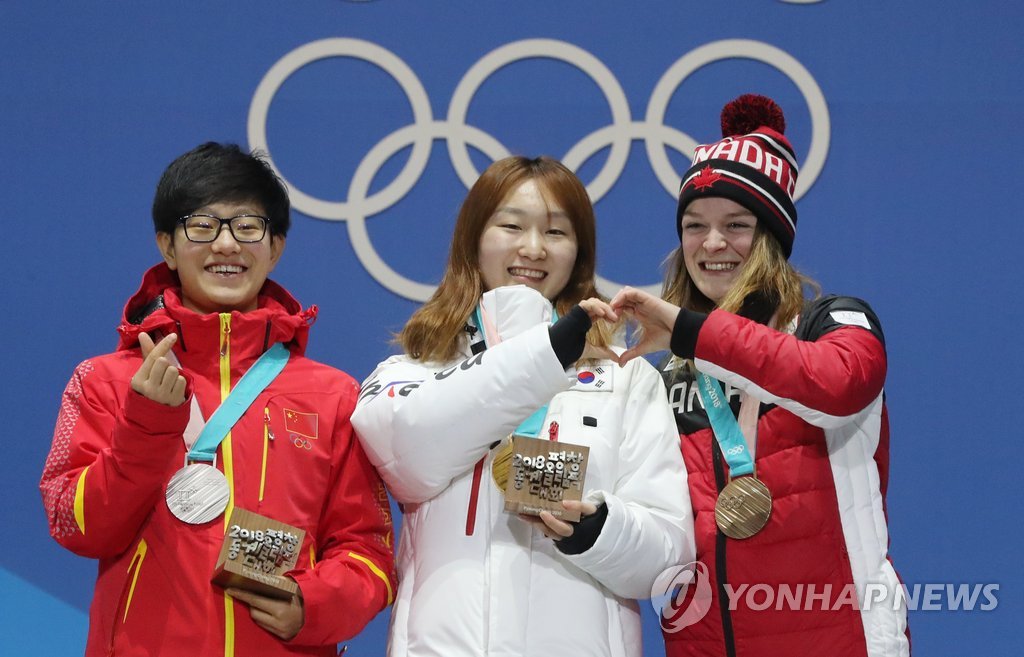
point(529, 240)
point(717, 237)
point(222, 275)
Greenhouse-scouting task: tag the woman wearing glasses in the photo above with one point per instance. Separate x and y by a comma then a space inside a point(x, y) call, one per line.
point(135, 479)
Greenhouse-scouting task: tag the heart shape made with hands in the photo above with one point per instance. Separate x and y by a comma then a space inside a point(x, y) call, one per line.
point(654, 319)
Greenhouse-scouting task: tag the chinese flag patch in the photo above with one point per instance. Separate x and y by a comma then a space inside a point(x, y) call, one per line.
point(304, 424)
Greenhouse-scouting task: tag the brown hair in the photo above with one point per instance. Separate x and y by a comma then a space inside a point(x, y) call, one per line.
point(434, 331)
point(766, 272)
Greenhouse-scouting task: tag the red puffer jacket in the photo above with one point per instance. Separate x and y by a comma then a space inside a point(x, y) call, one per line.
point(292, 457)
point(816, 580)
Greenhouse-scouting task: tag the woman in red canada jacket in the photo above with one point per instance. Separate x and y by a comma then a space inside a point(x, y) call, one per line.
point(781, 412)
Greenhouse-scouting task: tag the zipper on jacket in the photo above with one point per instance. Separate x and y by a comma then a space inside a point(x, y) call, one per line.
point(227, 461)
point(268, 435)
point(225, 391)
point(721, 541)
point(128, 590)
point(181, 336)
point(266, 337)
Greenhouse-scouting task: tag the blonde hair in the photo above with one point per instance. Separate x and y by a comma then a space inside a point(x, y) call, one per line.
point(435, 330)
point(766, 273)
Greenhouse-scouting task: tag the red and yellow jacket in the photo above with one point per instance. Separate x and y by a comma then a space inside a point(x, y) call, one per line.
point(292, 457)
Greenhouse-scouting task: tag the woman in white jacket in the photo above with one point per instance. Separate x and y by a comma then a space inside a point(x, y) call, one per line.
point(482, 356)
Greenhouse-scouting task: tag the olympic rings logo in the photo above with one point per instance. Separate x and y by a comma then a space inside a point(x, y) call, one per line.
point(300, 442)
point(619, 135)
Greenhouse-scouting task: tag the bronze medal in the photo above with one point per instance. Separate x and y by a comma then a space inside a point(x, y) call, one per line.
point(743, 507)
point(502, 464)
point(197, 493)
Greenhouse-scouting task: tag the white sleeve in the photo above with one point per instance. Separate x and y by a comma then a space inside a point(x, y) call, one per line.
point(649, 527)
point(422, 428)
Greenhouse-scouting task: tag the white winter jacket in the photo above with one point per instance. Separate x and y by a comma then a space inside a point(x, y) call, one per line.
point(475, 580)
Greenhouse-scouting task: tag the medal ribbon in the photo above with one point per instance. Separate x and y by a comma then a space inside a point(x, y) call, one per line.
point(531, 426)
point(725, 427)
point(253, 382)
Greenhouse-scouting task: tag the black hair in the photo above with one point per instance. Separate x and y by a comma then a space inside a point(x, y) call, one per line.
point(218, 173)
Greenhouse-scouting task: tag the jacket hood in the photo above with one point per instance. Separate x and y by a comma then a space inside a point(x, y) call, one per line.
point(157, 306)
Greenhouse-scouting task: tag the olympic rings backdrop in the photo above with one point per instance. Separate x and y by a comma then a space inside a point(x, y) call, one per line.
point(379, 115)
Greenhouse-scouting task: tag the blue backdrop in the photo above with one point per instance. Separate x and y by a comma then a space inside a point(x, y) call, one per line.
point(379, 114)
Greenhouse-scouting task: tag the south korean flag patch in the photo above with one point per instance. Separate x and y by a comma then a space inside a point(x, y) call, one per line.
point(597, 378)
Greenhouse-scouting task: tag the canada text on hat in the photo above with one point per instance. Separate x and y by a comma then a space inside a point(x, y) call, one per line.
point(754, 165)
point(748, 150)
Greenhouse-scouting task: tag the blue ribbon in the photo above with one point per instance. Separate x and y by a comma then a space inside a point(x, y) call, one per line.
point(725, 427)
point(238, 402)
point(532, 425)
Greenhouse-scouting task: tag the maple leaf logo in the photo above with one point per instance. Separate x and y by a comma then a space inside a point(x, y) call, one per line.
point(706, 178)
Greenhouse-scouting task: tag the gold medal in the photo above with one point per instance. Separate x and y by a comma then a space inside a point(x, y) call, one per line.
point(502, 464)
point(743, 507)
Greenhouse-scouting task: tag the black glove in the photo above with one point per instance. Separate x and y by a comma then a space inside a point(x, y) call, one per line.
point(569, 335)
point(584, 532)
point(683, 342)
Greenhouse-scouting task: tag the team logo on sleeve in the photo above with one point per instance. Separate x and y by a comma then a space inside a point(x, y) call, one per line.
point(851, 318)
point(303, 424)
point(402, 388)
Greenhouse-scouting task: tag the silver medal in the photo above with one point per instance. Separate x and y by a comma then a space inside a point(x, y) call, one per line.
point(197, 493)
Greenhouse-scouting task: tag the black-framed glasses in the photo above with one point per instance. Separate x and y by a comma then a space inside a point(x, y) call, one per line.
point(245, 228)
